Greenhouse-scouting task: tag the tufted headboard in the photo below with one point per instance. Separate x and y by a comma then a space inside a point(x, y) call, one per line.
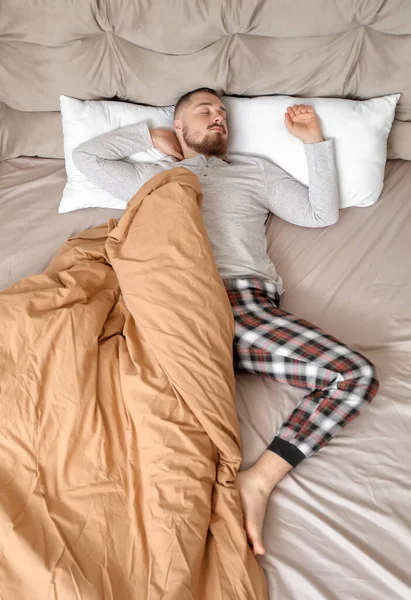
point(153, 51)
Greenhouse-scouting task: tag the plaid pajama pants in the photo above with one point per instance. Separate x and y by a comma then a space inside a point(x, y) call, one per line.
point(272, 342)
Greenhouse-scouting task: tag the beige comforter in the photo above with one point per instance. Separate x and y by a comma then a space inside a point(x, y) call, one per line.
point(119, 441)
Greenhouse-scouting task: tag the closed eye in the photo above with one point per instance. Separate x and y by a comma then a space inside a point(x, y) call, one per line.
point(208, 112)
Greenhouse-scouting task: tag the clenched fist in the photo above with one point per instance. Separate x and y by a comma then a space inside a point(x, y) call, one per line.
point(302, 122)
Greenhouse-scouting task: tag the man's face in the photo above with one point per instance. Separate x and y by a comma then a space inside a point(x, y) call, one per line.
point(204, 126)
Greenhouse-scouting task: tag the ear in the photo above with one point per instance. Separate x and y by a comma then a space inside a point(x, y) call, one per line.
point(177, 125)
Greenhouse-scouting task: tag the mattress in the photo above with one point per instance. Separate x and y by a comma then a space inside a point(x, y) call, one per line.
point(338, 525)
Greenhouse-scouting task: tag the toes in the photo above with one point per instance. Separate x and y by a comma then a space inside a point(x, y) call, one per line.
point(255, 539)
point(258, 549)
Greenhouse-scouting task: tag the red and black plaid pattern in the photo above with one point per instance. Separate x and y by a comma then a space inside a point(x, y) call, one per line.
point(269, 341)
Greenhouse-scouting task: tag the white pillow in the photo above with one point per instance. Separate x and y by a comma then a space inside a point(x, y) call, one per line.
point(256, 127)
point(84, 120)
point(359, 129)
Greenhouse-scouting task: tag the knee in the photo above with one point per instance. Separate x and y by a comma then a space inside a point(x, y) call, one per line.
point(371, 382)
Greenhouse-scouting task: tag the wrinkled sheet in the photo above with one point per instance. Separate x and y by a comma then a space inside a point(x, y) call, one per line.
point(338, 526)
point(119, 439)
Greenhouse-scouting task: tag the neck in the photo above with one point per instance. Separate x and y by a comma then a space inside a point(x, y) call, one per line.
point(188, 153)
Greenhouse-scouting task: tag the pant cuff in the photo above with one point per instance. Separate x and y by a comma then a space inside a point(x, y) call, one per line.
point(287, 451)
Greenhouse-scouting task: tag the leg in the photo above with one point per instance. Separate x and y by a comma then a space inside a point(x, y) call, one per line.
point(271, 342)
point(340, 381)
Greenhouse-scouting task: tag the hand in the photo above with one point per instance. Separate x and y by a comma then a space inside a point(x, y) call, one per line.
point(302, 122)
point(166, 141)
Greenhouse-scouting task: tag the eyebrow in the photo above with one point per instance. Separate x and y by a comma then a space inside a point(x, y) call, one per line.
point(221, 107)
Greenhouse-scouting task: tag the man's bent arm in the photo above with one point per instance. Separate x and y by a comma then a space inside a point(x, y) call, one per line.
point(101, 160)
point(314, 206)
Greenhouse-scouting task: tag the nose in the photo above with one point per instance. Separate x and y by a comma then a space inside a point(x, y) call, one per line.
point(219, 120)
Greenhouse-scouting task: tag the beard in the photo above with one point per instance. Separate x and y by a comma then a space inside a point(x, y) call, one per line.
point(212, 143)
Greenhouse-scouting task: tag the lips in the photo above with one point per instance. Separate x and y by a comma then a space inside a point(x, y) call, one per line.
point(220, 129)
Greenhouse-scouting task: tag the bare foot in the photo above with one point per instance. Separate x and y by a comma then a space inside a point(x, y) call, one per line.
point(254, 497)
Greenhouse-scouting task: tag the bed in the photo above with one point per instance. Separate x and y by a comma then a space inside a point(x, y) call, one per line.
point(338, 526)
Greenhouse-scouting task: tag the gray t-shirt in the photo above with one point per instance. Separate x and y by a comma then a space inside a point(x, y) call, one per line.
point(239, 193)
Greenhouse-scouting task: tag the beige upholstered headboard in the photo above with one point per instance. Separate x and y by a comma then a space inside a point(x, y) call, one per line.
point(152, 51)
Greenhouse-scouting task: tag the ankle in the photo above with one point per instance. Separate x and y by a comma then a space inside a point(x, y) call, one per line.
point(269, 469)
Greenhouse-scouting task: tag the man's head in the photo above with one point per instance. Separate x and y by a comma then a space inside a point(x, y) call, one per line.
point(200, 123)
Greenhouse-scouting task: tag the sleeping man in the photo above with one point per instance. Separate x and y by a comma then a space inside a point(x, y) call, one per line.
point(239, 193)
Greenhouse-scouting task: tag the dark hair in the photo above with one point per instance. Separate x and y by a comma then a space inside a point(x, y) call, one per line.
point(186, 98)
